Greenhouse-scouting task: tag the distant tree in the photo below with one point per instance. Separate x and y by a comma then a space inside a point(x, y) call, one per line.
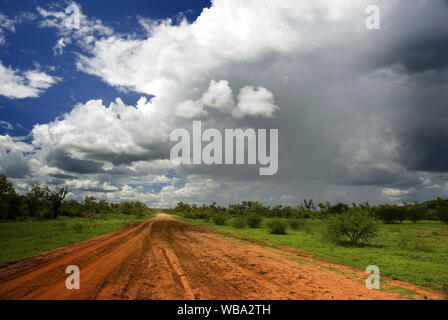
point(6, 187)
point(338, 208)
point(56, 198)
point(90, 204)
point(388, 213)
point(309, 206)
point(37, 199)
point(415, 213)
point(276, 211)
point(442, 210)
point(10, 200)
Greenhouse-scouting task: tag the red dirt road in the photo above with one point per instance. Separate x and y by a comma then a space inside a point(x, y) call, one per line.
point(163, 258)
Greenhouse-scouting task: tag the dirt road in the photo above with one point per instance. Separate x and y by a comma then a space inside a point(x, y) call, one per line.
point(163, 258)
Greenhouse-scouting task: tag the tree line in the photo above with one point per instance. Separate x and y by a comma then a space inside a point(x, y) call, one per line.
point(43, 202)
point(387, 213)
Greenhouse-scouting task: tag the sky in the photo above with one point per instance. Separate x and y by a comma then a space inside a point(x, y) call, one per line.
point(362, 114)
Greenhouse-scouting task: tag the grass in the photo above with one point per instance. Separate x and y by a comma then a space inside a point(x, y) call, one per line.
point(416, 253)
point(23, 239)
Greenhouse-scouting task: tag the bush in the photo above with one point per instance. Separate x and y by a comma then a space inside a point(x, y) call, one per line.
point(78, 227)
point(219, 219)
point(254, 220)
point(277, 227)
point(355, 226)
point(296, 224)
point(62, 226)
point(239, 223)
point(404, 241)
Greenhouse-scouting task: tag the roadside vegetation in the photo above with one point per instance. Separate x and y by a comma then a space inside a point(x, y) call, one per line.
point(407, 242)
point(42, 219)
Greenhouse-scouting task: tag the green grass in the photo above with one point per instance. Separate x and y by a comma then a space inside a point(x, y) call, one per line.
point(416, 253)
point(23, 239)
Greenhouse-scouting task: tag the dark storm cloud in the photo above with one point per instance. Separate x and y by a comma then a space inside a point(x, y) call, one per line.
point(63, 160)
point(61, 176)
point(426, 148)
point(414, 36)
point(153, 152)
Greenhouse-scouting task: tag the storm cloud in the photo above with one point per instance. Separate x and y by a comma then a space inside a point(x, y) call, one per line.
point(362, 114)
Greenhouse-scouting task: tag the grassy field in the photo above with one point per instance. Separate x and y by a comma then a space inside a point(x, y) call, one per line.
point(24, 239)
point(417, 253)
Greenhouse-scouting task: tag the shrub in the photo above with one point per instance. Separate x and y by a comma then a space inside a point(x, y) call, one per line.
point(62, 226)
point(422, 245)
point(239, 223)
point(254, 220)
point(277, 226)
point(356, 226)
point(219, 219)
point(78, 227)
point(296, 224)
point(308, 229)
point(201, 215)
point(404, 241)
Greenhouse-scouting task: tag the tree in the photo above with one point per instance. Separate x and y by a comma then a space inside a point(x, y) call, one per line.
point(415, 213)
point(56, 198)
point(338, 208)
point(388, 213)
point(10, 200)
point(90, 204)
point(309, 206)
point(36, 199)
point(6, 187)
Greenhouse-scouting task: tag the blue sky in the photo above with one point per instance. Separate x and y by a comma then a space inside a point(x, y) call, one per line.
point(30, 44)
point(361, 113)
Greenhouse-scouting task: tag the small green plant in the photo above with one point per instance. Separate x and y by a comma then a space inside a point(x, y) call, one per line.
point(62, 226)
point(239, 223)
point(404, 241)
point(308, 229)
point(422, 245)
point(277, 226)
point(219, 219)
point(78, 227)
point(254, 220)
point(296, 224)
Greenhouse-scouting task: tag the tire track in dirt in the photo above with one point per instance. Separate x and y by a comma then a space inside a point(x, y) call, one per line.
point(163, 258)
